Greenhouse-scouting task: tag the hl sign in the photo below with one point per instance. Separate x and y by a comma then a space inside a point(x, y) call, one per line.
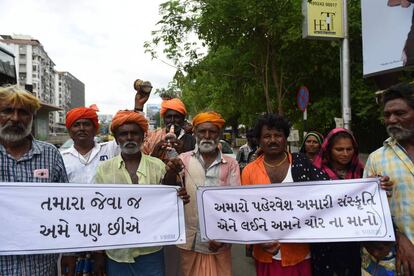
point(323, 19)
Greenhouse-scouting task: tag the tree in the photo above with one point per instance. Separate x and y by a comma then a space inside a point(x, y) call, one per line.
point(256, 60)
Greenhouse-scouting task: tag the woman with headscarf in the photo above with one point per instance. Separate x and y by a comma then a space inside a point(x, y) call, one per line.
point(338, 158)
point(277, 165)
point(312, 143)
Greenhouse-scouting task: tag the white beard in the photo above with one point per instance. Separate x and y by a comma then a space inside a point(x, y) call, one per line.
point(206, 146)
point(10, 135)
point(128, 150)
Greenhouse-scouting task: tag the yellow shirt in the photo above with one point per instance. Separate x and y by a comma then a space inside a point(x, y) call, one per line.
point(151, 170)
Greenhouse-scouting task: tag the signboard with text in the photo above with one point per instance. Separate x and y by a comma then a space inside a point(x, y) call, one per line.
point(322, 19)
point(319, 211)
point(56, 217)
point(387, 36)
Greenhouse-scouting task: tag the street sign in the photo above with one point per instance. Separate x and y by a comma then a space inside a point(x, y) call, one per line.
point(302, 98)
point(323, 19)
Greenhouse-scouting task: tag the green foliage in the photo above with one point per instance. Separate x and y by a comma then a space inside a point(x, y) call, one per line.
point(255, 60)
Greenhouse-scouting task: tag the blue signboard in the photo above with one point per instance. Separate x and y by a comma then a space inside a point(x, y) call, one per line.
point(302, 98)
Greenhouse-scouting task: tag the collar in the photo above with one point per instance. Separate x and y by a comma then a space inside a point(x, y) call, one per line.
point(72, 150)
point(390, 142)
point(121, 163)
point(219, 159)
point(34, 150)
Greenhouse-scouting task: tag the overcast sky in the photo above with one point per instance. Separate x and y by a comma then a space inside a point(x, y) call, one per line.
point(98, 41)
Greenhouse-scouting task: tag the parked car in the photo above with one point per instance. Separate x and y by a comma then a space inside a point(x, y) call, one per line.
point(226, 149)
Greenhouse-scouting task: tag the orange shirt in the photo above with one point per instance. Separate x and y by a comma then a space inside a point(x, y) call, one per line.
point(292, 253)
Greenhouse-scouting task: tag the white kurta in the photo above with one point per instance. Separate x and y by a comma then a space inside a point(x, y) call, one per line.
point(81, 170)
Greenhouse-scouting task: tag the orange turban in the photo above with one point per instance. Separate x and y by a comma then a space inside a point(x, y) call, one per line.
point(126, 116)
point(211, 117)
point(82, 113)
point(174, 104)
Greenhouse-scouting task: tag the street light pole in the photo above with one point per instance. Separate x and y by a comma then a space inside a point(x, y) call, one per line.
point(345, 71)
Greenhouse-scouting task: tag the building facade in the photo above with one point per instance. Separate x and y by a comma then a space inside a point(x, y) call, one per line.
point(35, 72)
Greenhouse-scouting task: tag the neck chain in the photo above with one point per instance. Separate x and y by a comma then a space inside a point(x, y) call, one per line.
point(87, 156)
point(275, 165)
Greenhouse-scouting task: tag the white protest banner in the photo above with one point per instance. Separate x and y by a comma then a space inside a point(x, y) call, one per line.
point(319, 211)
point(56, 217)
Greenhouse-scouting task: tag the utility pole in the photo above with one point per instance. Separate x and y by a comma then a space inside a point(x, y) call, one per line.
point(345, 71)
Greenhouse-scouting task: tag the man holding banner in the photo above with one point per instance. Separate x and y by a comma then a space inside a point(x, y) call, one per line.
point(395, 159)
point(206, 166)
point(133, 167)
point(276, 165)
point(24, 159)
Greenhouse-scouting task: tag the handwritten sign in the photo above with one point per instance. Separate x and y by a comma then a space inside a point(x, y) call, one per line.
point(52, 217)
point(323, 211)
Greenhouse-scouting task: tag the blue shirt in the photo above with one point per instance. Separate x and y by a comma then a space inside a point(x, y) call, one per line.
point(42, 163)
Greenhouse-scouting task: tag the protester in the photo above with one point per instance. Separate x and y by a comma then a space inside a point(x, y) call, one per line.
point(81, 161)
point(133, 167)
point(395, 159)
point(82, 158)
point(338, 158)
point(247, 150)
point(312, 143)
point(25, 159)
point(277, 165)
point(173, 113)
point(206, 166)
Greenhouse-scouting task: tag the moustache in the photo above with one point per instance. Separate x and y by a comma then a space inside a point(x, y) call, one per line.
point(273, 145)
point(129, 143)
point(19, 127)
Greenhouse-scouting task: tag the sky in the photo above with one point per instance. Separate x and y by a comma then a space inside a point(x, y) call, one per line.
point(100, 42)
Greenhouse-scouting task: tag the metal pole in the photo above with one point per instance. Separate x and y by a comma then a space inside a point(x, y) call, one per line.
point(345, 66)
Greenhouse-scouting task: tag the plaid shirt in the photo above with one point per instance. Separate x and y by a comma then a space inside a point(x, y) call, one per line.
point(393, 161)
point(42, 163)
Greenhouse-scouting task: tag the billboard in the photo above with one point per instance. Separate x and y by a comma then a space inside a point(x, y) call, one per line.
point(323, 19)
point(387, 35)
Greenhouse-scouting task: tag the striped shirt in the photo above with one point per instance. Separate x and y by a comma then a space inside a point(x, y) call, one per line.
point(42, 163)
point(392, 160)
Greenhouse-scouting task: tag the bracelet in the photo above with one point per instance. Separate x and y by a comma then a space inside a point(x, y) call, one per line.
point(138, 109)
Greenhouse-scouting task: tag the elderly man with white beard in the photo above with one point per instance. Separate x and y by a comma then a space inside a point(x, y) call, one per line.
point(206, 166)
point(134, 167)
point(396, 160)
point(24, 159)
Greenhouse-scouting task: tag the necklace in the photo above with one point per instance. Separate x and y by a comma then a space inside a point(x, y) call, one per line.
point(84, 159)
point(275, 165)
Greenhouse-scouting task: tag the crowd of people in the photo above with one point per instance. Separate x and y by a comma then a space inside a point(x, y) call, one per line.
point(191, 157)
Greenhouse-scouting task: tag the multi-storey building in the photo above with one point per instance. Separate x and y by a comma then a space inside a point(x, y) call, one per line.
point(152, 113)
point(35, 70)
point(70, 93)
point(34, 67)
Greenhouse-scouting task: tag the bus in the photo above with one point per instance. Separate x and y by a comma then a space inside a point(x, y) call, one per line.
point(7, 67)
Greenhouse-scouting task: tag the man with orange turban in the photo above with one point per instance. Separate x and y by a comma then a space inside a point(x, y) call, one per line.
point(173, 113)
point(82, 158)
point(134, 167)
point(81, 161)
point(205, 166)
